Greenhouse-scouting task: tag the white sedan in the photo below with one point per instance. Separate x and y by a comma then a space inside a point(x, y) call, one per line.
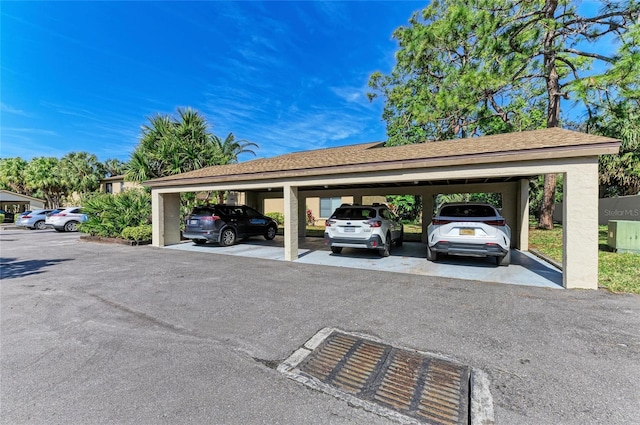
point(472, 229)
point(66, 220)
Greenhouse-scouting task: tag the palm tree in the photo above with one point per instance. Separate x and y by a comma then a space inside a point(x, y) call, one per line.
point(43, 174)
point(114, 167)
point(172, 145)
point(228, 152)
point(81, 172)
point(12, 174)
point(230, 149)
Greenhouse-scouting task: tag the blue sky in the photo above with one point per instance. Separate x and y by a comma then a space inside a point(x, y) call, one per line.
point(289, 76)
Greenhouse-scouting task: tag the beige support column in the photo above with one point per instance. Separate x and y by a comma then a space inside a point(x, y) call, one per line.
point(357, 199)
point(510, 209)
point(427, 213)
point(290, 223)
point(522, 232)
point(165, 218)
point(302, 216)
point(580, 226)
point(251, 200)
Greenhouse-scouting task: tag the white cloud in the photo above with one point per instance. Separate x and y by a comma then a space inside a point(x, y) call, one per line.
point(37, 131)
point(349, 94)
point(11, 110)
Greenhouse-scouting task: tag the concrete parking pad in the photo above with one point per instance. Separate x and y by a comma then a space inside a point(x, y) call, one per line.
point(525, 269)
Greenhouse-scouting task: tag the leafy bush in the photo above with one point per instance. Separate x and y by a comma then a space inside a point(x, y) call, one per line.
point(278, 217)
point(137, 233)
point(407, 207)
point(108, 215)
point(1, 218)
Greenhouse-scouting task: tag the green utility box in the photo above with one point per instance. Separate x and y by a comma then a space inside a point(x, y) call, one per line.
point(624, 236)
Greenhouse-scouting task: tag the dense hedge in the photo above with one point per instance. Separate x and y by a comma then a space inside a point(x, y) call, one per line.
point(108, 215)
point(278, 217)
point(138, 233)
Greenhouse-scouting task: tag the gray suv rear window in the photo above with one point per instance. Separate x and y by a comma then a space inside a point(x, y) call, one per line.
point(202, 211)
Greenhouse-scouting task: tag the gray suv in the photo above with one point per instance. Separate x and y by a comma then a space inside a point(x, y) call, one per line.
point(226, 224)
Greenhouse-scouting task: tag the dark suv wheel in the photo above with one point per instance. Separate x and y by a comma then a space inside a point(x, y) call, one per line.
point(270, 233)
point(227, 237)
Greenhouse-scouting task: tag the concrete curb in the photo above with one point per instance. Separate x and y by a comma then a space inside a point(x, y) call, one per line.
point(543, 257)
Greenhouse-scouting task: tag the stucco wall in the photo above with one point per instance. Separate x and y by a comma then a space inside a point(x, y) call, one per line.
point(621, 208)
point(313, 203)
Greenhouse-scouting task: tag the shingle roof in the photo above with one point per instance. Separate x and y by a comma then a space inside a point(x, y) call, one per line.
point(549, 143)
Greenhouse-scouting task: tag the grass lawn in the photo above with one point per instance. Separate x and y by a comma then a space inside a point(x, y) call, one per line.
point(616, 272)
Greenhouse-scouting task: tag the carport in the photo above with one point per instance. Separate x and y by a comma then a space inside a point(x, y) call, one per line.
point(498, 163)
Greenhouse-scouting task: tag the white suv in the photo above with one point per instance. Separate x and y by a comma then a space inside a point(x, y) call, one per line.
point(363, 226)
point(474, 229)
point(65, 220)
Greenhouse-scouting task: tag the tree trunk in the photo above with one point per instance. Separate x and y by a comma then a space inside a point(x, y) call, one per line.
point(545, 220)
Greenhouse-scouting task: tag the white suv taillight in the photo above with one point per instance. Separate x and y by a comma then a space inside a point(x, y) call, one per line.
point(495, 222)
point(329, 222)
point(374, 223)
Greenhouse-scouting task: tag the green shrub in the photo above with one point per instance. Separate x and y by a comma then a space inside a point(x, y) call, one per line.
point(278, 217)
point(108, 215)
point(1, 218)
point(138, 233)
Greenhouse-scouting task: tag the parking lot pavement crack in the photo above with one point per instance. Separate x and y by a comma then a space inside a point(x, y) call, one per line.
point(148, 318)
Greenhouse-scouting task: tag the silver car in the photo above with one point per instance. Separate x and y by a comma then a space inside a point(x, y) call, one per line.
point(33, 219)
point(468, 228)
point(66, 220)
point(373, 227)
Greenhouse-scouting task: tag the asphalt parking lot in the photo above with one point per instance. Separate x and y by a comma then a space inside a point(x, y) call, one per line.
point(98, 333)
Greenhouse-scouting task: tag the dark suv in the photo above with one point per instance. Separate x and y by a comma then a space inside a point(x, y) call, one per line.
point(226, 224)
point(8, 217)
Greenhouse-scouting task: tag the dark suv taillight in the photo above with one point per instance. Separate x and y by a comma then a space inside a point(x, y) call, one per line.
point(210, 218)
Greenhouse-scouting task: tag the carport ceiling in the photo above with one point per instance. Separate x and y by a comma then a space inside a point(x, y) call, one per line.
point(404, 184)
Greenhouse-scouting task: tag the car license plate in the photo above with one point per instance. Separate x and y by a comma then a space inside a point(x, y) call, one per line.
point(467, 231)
point(349, 229)
point(193, 222)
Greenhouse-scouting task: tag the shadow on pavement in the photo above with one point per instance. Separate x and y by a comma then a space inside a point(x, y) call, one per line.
point(10, 268)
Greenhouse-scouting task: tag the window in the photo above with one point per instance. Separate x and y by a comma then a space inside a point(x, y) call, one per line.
point(251, 213)
point(329, 205)
point(108, 187)
point(121, 186)
point(349, 213)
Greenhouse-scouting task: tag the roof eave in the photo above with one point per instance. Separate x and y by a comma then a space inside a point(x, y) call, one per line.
point(573, 151)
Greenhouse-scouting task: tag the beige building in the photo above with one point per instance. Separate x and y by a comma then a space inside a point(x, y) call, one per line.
point(116, 184)
point(501, 164)
point(321, 208)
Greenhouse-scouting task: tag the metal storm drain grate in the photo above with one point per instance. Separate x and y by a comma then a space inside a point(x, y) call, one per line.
point(427, 389)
